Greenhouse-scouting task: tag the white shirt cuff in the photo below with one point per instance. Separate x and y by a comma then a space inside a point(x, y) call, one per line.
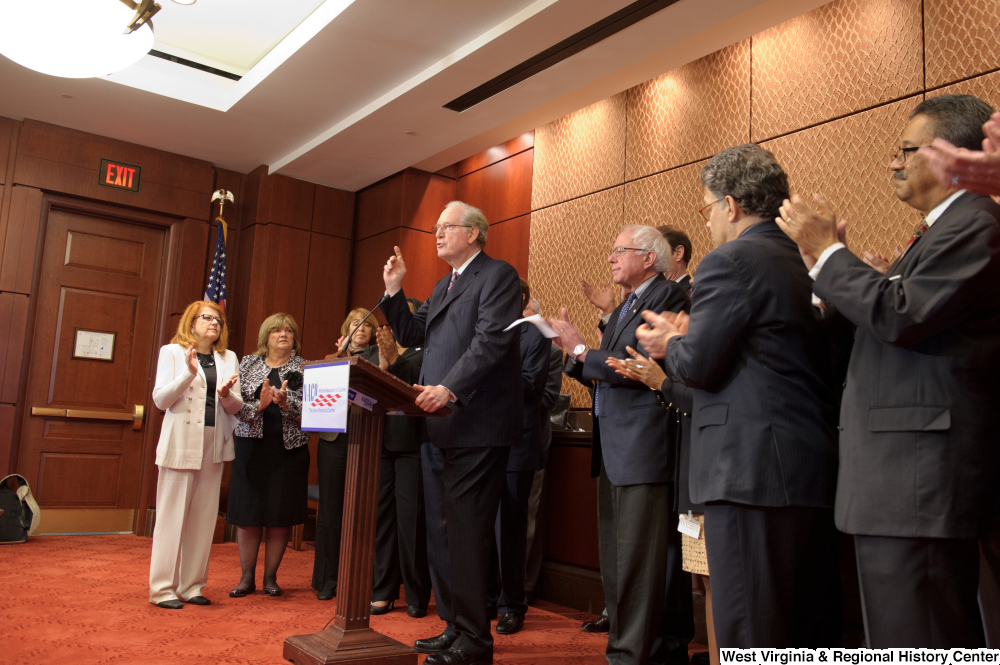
point(827, 253)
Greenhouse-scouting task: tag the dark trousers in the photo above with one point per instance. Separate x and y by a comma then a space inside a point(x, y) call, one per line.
point(331, 459)
point(438, 554)
point(473, 480)
point(400, 532)
point(635, 543)
point(918, 592)
point(989, 585)
point(775, 581)
point(509, 555)
point(536, 540)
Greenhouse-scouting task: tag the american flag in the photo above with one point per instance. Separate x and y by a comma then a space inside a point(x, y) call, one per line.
point(215, 290)
point(326, 399)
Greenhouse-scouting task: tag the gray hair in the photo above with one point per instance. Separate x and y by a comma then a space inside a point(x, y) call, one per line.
point(649, 238)
point(751, 175)
point(958, 119)
point(475, 218)
point(535, 306)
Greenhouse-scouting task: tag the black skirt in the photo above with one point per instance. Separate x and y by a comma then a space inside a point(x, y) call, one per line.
point(268, 484)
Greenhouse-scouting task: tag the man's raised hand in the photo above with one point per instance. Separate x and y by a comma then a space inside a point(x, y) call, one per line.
point(393, 272)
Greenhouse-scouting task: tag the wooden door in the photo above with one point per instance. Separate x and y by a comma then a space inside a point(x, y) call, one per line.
point(101, 275)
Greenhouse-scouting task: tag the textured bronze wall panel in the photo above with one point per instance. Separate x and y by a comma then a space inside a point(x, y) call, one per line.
point(986, 87)
point(580, 153)
point(569, 242)
point(847, 162)
point(963, 38)
point(672, 197)
point(837, 59)
point(689, 113)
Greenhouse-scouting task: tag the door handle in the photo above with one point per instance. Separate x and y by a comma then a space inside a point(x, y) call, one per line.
point(136, 417)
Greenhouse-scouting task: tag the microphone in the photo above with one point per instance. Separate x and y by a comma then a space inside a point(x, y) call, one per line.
point(385, 296)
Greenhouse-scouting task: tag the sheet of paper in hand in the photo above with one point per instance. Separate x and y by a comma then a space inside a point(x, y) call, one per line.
point(540, 323)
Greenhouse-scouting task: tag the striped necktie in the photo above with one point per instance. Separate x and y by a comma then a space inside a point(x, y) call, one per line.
point(454, 276)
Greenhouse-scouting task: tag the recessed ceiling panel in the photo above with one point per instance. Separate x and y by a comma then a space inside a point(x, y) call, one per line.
point(232, 35)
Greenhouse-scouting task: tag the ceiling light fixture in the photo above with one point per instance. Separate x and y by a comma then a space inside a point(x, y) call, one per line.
point(76, 38)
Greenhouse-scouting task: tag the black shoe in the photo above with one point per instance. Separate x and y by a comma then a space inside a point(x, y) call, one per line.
point(172, 604)
point(375, 610)
point(198, 600)
point(457, 657)
point(326, 594)
point(415, 612)
point(434, 644)
point(510, 623)
point(598, 625)
point(271, 587)
point(241, 590)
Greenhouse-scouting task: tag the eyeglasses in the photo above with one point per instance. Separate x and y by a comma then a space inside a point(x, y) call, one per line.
point(618, 251)
point(701, 210)
point(208, 319)
point(448, 227)
point(903, 154)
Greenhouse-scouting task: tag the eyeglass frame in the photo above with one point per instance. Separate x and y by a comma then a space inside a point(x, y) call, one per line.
point(448, 227)
point(905, 152)
point(701, 210)
point(211, 319)
point(618, 251)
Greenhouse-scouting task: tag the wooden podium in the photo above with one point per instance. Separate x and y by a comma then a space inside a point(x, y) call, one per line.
point(348, 638)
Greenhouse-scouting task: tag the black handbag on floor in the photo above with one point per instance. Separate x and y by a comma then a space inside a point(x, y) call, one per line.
point(19, 512)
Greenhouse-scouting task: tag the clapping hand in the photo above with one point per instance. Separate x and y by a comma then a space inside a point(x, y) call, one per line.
point(879, 262)
point(191, 358)
point(812, 230)
point(658, 329)
point(227, 386)
point(602, 297)
point(638, 368)
point(266, 394)
point(342, 344)
point(279, 396)
point(387, 348)
point(568, 337)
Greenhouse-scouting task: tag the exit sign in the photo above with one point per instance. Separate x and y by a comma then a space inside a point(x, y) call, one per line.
point(118, 175)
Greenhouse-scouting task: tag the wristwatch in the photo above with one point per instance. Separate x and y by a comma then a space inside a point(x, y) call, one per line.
point(578, 349)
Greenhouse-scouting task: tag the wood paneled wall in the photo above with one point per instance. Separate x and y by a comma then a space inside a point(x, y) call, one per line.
point(400, 211)
point(827, 92)
point(288, 248)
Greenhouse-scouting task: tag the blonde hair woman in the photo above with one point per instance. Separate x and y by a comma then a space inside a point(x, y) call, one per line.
point(271, 469)
point(195, 439)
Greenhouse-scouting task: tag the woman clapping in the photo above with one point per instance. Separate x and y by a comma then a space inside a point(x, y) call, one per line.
point(197, 385)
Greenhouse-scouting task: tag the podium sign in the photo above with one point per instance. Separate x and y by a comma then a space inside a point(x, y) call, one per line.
point(325, 396)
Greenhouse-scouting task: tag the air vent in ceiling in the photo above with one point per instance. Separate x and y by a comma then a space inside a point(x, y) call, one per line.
point(621, 19)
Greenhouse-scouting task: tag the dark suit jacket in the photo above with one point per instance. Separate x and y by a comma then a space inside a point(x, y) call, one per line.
point(553, 384)
point(467, 351)
point(534, 370)
point(760, 363)
point(633, 424)
point(404, 434)
point(685, 283)
point(919, 426)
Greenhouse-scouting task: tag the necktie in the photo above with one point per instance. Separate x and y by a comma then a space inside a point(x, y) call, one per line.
point(454, 276)
point(621, 315)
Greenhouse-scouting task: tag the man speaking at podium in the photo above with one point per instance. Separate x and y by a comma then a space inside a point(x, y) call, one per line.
point(473, 366)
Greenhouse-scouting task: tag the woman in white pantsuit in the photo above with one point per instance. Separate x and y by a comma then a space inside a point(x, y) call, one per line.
point(197, 383)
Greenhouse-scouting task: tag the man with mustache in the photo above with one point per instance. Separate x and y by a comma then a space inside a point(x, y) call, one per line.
point(918, 446)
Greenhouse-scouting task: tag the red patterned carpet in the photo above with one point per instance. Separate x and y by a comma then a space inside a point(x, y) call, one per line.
point(84, 599)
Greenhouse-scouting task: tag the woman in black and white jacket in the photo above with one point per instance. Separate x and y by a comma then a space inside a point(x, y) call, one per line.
point(271, 469)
